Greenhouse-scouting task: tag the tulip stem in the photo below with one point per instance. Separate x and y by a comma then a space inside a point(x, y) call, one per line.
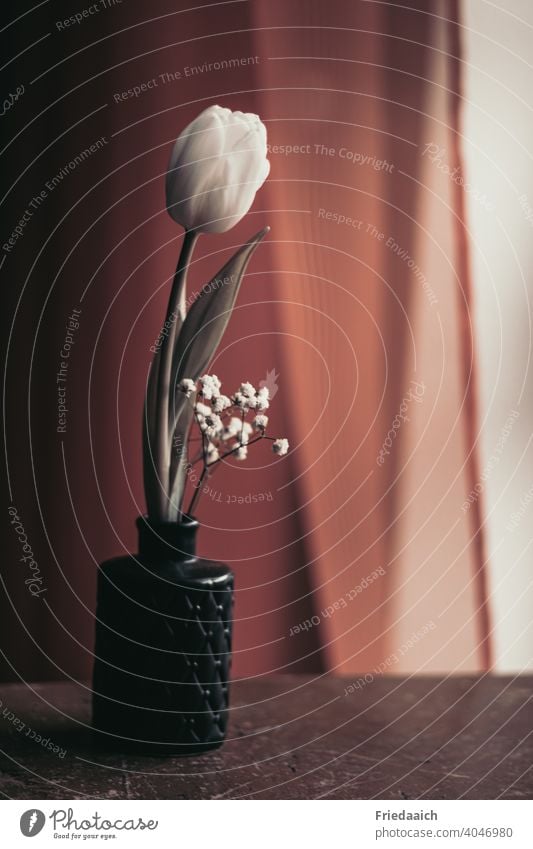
point(175, 313)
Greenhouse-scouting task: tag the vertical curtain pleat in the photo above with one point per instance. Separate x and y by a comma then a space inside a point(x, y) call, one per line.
point(359, 296)
point(385, 303)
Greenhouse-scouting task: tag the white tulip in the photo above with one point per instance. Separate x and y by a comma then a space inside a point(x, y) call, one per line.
point(217, 165)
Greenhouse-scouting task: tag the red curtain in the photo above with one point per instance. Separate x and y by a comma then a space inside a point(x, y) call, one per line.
point(354, 553)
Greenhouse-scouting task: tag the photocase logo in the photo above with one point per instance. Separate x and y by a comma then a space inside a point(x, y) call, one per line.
point(32, 822)
point(270, 382)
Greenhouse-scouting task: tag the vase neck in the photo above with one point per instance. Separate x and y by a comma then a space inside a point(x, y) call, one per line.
point(167, 540)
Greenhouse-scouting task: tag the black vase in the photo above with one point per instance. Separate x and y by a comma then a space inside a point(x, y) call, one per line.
point(163, 646)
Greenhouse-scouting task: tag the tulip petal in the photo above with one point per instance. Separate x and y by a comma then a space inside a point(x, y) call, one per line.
point(217, 165)
point(194, 156)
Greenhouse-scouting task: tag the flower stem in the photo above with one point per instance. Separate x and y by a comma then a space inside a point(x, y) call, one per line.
point(236, 448)
point(175, 312)
point(208, 466)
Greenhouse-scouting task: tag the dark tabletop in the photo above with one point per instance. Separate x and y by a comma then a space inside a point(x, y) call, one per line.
point(290, 737)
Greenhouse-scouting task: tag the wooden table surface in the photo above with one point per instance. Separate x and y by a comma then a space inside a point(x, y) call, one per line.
point(290, 737)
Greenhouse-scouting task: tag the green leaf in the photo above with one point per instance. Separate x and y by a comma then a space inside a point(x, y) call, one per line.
point(209, 315)
point(178, 461)
point(196, 345)
point(152, 483)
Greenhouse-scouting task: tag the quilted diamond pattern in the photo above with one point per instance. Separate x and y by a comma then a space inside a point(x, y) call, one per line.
point(162, 656)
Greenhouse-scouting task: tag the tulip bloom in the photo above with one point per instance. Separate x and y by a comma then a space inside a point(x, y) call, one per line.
point(217, 165)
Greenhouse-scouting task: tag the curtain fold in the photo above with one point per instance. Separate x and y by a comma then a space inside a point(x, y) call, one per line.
point(358, 302)
point(385, 300)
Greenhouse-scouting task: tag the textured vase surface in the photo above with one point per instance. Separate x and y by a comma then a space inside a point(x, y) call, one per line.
point(163, 646)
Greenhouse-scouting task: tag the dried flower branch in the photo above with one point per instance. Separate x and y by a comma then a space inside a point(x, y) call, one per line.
point(232, 438)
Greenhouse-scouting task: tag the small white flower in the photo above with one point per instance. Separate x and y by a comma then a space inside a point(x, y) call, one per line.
point(212, 453)
point(221, 403)
point(201, 410)
point(241, 401)
point(187, 386)
point(213, 420)
point(260, 422)
point(280, 446)
point(241, 453)
point(232, 428)
point(243, 434)
point(214, 425)
point(210, 386)
point(247, 389)
point(261, 401)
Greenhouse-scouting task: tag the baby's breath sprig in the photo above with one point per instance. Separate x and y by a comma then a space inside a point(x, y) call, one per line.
point(222, 421)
